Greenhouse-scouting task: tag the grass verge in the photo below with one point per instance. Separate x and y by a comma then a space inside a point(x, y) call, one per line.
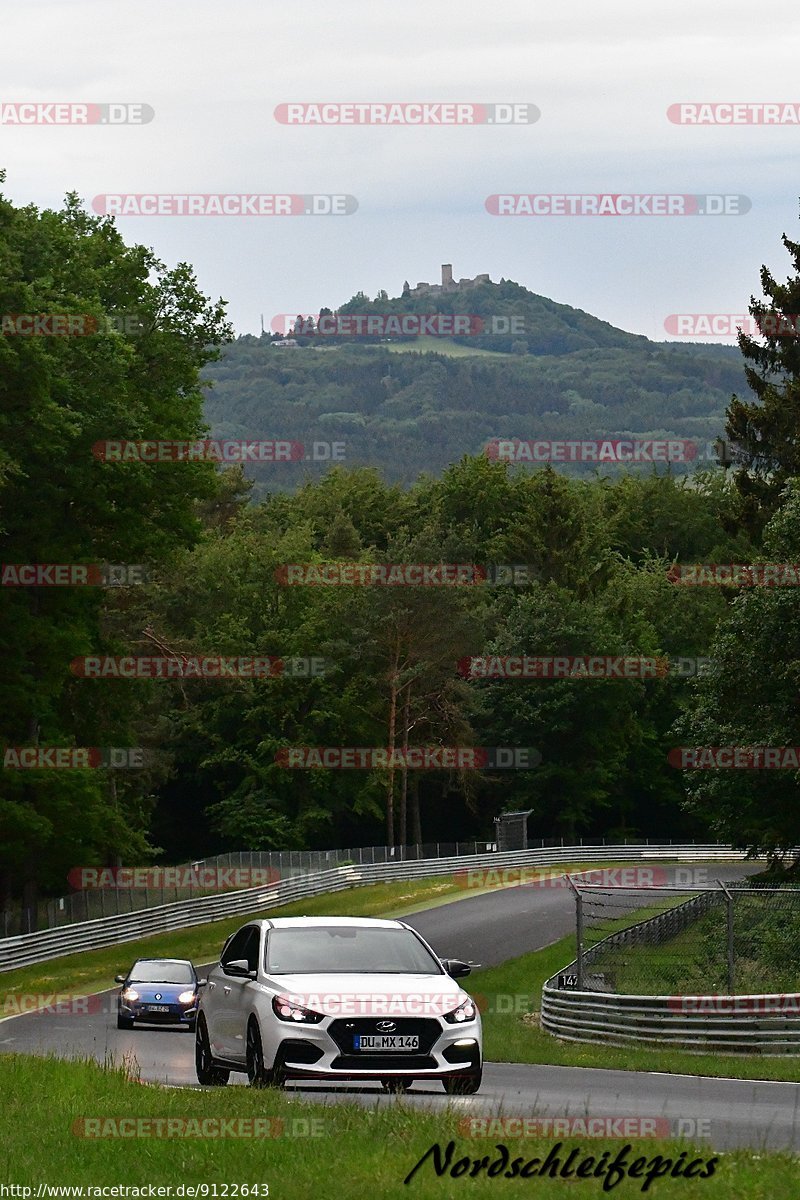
point(510, 993)
point(341, 1151)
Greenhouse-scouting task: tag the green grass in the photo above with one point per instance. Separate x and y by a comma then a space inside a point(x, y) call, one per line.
point(511, 1036)
point(355, 1152)
point(694, 962)
point(435, 345)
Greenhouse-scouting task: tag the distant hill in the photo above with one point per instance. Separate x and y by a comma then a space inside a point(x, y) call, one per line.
point(410, 405)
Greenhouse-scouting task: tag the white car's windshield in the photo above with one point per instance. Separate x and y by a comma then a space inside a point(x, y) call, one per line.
point(343, 950)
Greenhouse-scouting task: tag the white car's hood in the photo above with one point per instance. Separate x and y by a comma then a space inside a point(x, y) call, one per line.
point(371, 995)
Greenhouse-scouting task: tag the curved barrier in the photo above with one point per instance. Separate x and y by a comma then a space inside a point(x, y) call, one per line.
point(38, 947)
point(757, 1023)
point(763, 1024)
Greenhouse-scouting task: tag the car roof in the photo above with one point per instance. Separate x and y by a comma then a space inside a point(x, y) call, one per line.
point(327, 922)
point(184, 962)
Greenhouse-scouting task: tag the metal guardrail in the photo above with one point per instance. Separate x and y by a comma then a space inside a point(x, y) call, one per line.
point(38, 947)
point(736, 1024)
point(169, 884)
point(755, 1023)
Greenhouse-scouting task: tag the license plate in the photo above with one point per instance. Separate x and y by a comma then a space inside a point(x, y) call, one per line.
point(156, 1008)
point(385, 1041)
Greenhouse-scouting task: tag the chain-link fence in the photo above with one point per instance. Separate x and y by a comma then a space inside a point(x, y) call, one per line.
point(221, 872)
point(726, 939)
point(224, 872)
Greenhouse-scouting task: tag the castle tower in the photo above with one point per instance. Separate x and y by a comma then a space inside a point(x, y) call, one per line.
point(447, 275)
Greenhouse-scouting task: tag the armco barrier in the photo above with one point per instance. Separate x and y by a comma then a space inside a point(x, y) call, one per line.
point(736, 1024)
point(109, 931)
point(763, 1024)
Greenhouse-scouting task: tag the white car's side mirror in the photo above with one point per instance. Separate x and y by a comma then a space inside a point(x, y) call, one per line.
point(240, 968)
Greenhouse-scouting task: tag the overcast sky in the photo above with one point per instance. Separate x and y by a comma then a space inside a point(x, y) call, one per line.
point(603, 76)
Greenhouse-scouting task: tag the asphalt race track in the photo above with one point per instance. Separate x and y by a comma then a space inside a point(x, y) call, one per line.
point(485, 929)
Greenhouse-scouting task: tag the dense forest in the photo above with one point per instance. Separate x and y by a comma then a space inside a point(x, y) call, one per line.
point(409, 410)
point(599, 555)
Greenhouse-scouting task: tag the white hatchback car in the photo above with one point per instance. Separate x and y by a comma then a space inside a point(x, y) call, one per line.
point(337, 998)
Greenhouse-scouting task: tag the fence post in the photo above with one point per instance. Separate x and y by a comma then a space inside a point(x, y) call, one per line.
point(578, 932)
point(729, 923)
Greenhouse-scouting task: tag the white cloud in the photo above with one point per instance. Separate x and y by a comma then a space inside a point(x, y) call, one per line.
point(602, 74)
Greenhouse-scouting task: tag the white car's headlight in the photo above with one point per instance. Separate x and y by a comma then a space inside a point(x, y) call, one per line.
point(130, 995)
point(465, 1012)
point(286, 1010)
point(187, 997)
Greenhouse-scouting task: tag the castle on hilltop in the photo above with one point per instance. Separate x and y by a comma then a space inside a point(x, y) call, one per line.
point(448, 284)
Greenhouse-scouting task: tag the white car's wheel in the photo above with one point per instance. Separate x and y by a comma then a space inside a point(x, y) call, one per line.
point(257, 1073)
point(208, 1073)
point(463, 1085)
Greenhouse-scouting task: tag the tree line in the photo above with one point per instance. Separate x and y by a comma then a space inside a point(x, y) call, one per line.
point(599, 580)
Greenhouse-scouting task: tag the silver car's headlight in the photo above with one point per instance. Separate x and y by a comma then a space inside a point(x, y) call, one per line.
point(286, 1010)
point(465, 1012)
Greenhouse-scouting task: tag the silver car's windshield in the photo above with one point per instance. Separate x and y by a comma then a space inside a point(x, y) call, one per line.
point(347, 950)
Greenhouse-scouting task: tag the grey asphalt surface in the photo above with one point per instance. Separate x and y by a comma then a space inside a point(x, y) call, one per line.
point(492, 927)
point(485, 929)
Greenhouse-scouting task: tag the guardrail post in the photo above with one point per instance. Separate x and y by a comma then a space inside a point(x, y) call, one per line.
point(578, 932)
point(729, 923)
